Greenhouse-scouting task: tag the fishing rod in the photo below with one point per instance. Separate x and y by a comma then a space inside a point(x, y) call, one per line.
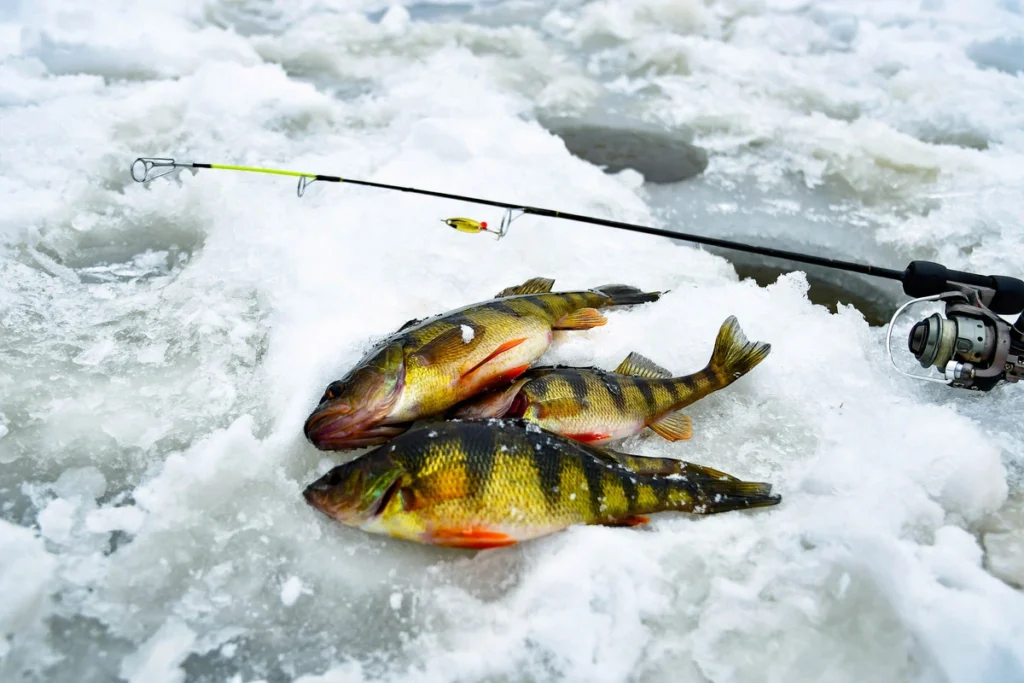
point(970, 346)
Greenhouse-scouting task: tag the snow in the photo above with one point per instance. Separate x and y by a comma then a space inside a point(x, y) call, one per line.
point(162, 344)
point(105, 520)
point(291, 590)
point(25, 576)
point(467, 334)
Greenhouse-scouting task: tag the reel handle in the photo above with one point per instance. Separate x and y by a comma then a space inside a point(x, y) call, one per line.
point(925, 278)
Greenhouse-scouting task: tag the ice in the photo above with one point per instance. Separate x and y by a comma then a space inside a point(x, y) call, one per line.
point(467, 334)
point(25, 579)
point(56, 520)
point(161, 344)
point(160, 657)
point(105, 520)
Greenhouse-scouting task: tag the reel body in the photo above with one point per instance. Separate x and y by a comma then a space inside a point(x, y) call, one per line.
point(969, 345)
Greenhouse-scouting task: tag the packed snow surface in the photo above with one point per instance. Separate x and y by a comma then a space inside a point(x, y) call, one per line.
point(161, 344)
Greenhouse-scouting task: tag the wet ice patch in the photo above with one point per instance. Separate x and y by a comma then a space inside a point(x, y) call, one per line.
point(1004, 54)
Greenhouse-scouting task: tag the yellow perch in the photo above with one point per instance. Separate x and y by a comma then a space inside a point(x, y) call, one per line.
point(595, 406)
point(428, 366)
point(492, 483)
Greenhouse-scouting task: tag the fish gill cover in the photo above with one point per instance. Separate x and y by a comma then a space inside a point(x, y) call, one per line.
point(161, 345)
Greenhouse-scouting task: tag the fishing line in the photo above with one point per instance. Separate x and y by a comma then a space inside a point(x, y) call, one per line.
point(920, 278)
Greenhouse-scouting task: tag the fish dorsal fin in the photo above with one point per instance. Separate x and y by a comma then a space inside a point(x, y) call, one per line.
point(642, 366)
point(411, 323)
point(536, 285)
point(450, 344)
point(608, 456)
point(695, 472)
point(642, 464)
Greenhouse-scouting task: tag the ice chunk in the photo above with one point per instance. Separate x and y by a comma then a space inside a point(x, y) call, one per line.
point(87, 482)
point(152, 354)
point(160, 657)
point(25, 573)
point(1006, 556)
point(105, 520)
point(57, 519)
point(395, 20)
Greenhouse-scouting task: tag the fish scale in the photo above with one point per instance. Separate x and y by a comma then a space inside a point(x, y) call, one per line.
point(490, 483)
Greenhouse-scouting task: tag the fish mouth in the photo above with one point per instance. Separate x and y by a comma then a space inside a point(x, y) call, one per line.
point(518, 407)
point(333, 430)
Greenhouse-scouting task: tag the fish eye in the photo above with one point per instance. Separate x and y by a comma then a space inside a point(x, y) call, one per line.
point(334, 390)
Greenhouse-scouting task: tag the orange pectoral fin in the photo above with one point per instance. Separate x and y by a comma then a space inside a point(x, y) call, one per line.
point(631, 520)
point(674, 427)
point(582, 319)
point(471, 538)
point(589, 437)
point(510, 344)
point(510, 375)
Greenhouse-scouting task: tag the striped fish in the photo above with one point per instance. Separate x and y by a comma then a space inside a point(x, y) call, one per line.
point(491, 483)
point(428, 366)
point(595, 406)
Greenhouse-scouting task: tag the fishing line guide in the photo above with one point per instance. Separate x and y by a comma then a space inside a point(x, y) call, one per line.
point(971, 346)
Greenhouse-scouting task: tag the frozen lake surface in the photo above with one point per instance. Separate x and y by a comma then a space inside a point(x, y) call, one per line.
point(161, 345)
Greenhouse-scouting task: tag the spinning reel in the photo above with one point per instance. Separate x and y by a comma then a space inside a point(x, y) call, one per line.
point(970, 345)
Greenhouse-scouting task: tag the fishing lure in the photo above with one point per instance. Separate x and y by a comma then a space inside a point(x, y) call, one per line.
point(472, 227)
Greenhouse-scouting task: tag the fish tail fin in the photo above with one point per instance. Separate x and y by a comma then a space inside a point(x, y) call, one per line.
point(721, 495)
point(624, 295)
point(734, 356)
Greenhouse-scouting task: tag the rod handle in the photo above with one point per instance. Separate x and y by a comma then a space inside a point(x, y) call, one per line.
point(926, 278)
